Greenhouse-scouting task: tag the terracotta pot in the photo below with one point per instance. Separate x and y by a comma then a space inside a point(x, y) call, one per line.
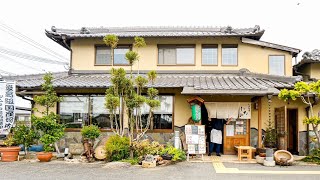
point(9, 154)
point(44, 156)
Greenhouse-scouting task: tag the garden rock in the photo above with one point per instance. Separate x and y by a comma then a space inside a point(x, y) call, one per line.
point(149, 164)
point(117, 165)
point(76, 148)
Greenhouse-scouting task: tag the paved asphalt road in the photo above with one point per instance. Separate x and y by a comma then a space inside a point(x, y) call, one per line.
point(183, 171)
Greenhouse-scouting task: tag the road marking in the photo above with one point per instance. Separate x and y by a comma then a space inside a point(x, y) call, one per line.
point(221, 169)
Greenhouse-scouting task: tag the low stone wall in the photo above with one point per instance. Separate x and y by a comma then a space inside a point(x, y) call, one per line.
point(75, 137)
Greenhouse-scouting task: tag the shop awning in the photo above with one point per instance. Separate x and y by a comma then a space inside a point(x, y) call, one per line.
point(242, 92)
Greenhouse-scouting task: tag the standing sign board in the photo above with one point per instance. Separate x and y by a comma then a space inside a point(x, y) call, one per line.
point(7, 106)
point(195, 139)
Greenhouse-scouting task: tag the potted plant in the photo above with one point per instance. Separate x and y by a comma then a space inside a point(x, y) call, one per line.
point(89, 134)
point(26, 136)
point(47, 125)
point(270, 138)
point(9, 153)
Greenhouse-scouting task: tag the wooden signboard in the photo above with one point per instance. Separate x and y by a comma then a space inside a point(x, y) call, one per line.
point(195, 139)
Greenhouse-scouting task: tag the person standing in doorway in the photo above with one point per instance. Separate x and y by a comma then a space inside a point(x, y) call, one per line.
point(216, 135)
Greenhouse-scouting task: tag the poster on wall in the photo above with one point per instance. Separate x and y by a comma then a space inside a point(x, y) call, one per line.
point(195, 139)
point(245, 111)
point(7, 106)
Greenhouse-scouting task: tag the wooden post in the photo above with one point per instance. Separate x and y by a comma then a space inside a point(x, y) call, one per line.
point(259, 123)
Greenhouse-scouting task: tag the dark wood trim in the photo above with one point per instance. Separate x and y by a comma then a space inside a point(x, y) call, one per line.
point(210, 46)
point(237, 54)
point(284, 61)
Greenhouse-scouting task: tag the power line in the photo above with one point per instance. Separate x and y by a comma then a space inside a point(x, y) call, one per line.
point(15, 61)
point(6, 72)
point(27, 40)
point(29, 57)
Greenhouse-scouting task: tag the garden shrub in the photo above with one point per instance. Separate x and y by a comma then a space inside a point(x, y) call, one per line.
point(314, 157)
point(177, 154)
point(90, 132)
point(144, 147)
point(117, 148)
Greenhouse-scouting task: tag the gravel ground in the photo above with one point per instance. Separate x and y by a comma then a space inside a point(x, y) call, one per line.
point(91, 171)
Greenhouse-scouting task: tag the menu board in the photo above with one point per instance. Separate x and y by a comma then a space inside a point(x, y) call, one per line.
point(195, 139)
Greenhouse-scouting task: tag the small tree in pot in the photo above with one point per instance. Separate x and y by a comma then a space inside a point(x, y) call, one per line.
point(47, 125)
point(26, 136)
point(9, 153)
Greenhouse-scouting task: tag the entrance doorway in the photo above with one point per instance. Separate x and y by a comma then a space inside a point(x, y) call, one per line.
point(286, 121)
point(292, 121)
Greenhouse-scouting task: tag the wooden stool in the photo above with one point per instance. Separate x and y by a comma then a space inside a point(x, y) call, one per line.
point(244, 152)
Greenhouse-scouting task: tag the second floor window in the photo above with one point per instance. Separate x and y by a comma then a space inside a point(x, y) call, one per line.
point(276, 65)
point(210, 55)
point(103, 55)
point(229, 54)
point(176, 55)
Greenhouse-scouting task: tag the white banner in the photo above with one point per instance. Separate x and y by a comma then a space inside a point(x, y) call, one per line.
point(2, 104)
point(7, 96)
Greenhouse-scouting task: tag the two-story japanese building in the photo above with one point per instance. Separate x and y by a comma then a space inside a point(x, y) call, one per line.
point(232, 70)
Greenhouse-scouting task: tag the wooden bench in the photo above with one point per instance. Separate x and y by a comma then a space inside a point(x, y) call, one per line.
point(245, 152)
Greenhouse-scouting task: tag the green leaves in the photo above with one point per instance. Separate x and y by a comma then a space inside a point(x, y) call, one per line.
point(111, 40)
point(286, 94)
point(312, 120)
point(50, 98)
point(177, 154)
point(152, 93)
point(302, 87)
point(140, 82)
point(25, 135)
point(90, 132)
point(132, 57)
point(112, 102)
point(139, 42)
point(117, 148)
point(152, 75)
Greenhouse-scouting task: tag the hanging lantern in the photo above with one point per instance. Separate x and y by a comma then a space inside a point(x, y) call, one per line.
point(196, 112)
point(196, 103)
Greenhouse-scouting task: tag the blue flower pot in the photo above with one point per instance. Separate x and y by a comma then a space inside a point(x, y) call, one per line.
point(36, 148)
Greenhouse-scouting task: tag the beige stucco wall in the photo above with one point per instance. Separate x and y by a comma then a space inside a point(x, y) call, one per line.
point(252, 57)
point(39, 109)
point(315, 71)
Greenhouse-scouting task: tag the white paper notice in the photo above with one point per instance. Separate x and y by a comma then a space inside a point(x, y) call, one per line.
point(191, 149)
point(195, 139)
point(230, 130)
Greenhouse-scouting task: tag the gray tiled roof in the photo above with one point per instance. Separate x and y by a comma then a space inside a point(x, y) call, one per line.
point(160, 31)
point(197, 81)
point(310, 57)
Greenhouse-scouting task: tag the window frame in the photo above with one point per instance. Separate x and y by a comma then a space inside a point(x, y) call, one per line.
point(284, 64)
point(208, 46)
point(175, 46)
point(112, 62)
point(222, 46)
point(109, 130)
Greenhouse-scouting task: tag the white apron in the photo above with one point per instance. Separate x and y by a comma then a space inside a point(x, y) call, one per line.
point(216, 136)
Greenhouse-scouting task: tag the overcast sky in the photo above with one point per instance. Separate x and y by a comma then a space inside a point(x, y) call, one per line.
point(293, 23)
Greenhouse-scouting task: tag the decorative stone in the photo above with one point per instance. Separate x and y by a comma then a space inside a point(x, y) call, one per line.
point(147, 164)
point(269, 154)
point(269, 163)
point(76, 148)
point(260, 159)
point(100, 153)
